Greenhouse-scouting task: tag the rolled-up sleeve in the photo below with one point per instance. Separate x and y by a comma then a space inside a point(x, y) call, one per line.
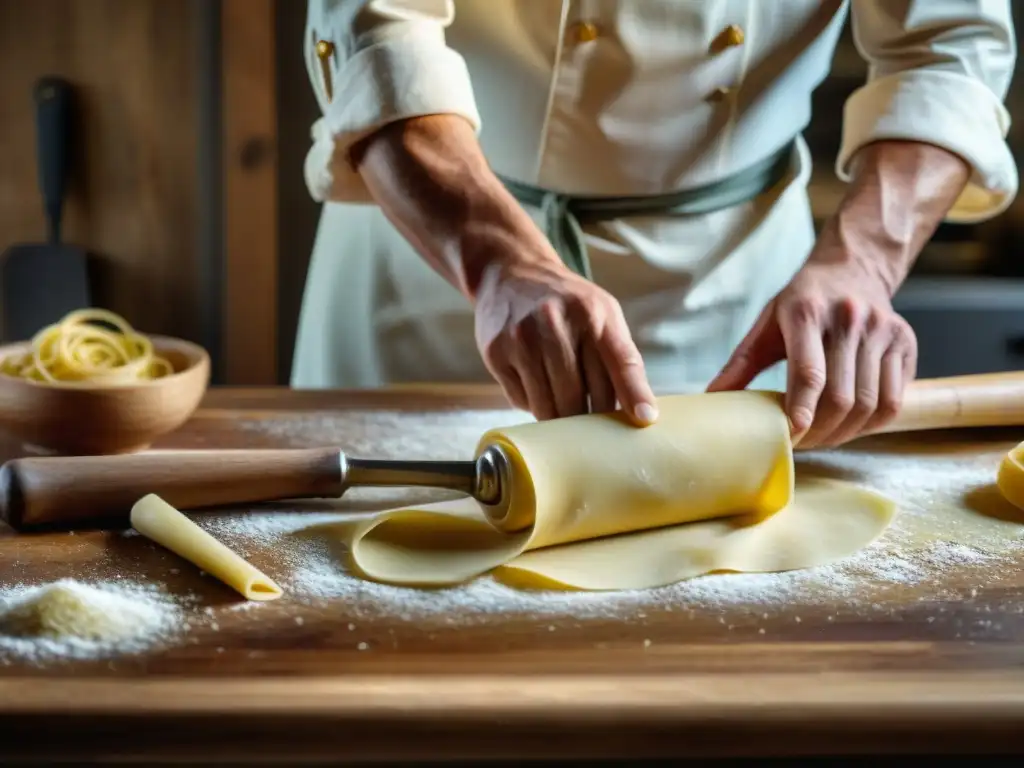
point(939, 71)
point(389, 62)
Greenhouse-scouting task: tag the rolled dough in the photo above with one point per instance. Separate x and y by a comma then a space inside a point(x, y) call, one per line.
point(603, 505)
point(1010, 479)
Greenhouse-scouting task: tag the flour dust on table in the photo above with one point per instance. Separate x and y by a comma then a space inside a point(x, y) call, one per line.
point(80, 620)
point(311, 569)
point(386, 434)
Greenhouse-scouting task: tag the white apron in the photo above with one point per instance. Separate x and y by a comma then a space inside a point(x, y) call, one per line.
point(612, 98)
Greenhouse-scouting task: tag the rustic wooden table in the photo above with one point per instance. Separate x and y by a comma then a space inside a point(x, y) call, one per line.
point(908, 673)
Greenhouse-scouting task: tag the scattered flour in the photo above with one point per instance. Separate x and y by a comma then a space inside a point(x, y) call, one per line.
point(389, 434)
point(313, 571)
point(73, 619)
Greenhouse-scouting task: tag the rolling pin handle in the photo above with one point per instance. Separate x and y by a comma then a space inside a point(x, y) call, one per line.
point(961, 402)
point(83, 491)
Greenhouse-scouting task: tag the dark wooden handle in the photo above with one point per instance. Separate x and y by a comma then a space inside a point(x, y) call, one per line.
point(84, 491)
point(54, 121)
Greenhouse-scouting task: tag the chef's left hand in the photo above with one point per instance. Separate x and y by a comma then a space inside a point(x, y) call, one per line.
point(849, 355)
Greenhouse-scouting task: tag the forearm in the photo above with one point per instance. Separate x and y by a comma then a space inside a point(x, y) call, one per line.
point(431, 180)
point(900, 193)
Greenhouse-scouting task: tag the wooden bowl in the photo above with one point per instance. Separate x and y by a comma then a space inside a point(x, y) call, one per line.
point(80, 420)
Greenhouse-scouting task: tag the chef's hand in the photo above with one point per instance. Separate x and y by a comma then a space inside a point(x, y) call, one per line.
point(849, 355)
point(554, 340)
point(556, 343)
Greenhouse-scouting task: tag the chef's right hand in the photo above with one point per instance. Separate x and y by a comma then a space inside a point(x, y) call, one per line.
point(554, 340)
point(557, 344)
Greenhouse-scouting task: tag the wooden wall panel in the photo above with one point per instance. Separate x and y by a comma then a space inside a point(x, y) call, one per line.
point(297, 109)
point(250, 192)
point(134, 200)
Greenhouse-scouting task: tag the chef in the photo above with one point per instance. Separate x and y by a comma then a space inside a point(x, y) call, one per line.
point(592, 201)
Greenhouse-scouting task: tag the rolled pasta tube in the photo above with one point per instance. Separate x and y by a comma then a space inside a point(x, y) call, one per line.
point(1010, 479)
point(596, 503)
point(158, 521)
point(590, 477)
point(597, 475)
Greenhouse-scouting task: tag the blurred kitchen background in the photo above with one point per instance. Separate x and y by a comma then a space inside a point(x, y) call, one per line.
point(187, 186)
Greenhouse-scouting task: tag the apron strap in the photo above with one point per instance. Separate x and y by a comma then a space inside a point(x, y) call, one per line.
point(564, 215)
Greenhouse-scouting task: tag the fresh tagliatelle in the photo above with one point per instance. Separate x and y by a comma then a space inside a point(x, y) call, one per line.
point(80, 348)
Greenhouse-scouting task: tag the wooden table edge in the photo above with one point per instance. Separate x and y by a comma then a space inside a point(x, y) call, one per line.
point(973, 694)
point(373, 718)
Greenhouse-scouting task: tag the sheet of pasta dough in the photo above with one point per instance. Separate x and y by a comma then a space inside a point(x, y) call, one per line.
point(599, 504)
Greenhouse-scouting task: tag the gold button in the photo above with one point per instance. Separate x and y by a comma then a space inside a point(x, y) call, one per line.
point(733, 36)
point(586, 32)
point(324, 49)
point(730, 37)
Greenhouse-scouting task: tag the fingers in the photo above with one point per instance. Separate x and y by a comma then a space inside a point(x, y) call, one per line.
point(599, 383)
point(529, 366)
point(838, 398)
point(801, 328)
point(555, 362)
point(553, 356)
point(762, 347)
point(558, 351)
point(510, 383)
point(625, 368)
point(897, 369)
point(865, 392)
point(540, 401)
point(890, 388)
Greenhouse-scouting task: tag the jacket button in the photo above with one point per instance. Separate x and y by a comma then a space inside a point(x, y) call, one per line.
point(585, 32)
point(324, 49)
point(730, 37)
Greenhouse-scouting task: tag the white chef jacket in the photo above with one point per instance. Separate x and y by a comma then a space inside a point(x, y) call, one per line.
point(624, 97)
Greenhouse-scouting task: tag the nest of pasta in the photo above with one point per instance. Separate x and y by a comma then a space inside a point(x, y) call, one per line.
point(90, 346)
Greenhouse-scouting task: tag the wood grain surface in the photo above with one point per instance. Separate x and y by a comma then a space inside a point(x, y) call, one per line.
point(250, 170)
point(912, 669)
point(132, 198)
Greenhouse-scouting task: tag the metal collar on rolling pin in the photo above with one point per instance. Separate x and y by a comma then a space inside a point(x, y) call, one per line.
point(488, 479)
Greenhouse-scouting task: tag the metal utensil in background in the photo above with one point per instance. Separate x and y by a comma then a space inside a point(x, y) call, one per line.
point(42, 282)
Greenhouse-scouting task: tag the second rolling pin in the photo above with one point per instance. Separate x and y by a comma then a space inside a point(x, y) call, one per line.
point(100, 490)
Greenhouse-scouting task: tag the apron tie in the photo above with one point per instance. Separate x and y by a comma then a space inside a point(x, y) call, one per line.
point(564, 215)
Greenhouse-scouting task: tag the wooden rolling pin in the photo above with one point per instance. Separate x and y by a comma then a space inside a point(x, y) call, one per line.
point(92, 491)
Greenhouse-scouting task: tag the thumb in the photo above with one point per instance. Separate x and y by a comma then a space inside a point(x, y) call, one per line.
point(762, 347)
